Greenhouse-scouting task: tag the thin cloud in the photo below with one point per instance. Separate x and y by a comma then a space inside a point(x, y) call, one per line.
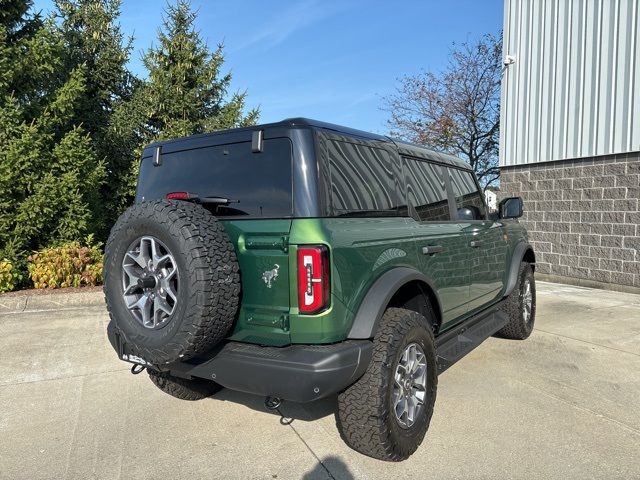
point(287, 22)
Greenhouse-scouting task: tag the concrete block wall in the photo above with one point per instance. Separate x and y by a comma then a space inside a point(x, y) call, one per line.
point(583, 218)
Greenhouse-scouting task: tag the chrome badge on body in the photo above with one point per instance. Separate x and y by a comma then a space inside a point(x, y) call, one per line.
point(270, 276)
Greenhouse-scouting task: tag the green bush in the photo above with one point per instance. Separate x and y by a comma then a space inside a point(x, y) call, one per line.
point(69, 265)
point(9, 276)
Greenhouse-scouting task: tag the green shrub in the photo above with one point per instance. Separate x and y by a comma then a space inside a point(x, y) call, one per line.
point(9, 276)
point(69, 265)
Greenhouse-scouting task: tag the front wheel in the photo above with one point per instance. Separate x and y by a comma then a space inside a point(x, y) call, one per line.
point(520, 306)
point(386, 413)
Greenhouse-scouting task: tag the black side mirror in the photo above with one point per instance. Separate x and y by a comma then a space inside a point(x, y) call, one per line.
point(465, 213)
point(510, 207)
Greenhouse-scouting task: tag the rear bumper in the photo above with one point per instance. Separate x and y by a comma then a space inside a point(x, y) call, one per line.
point(299, 373)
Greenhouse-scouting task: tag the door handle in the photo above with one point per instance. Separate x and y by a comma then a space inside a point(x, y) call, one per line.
point(432, 249)
point(475, 243)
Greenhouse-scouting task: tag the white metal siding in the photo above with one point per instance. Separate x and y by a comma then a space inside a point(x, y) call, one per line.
point(574, 89)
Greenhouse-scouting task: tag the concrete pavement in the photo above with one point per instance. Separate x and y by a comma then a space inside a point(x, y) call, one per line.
point(563, 404)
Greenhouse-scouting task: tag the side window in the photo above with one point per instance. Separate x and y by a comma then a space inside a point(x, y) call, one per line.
point(426, 191)
point(362, 180)
point(469, 202)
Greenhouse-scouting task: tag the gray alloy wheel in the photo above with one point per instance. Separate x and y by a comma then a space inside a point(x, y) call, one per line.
point(410, 385)
point(150, 282)
point(527, 300)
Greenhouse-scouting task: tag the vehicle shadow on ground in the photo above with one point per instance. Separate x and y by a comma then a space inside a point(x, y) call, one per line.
point(330, 467)
point(288, 411)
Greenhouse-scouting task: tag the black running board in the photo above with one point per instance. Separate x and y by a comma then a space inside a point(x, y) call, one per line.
point(455, 343)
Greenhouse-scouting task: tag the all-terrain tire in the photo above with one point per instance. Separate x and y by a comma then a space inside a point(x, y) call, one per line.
point(366, 418)
point(519, 327)
point(208, 273)
point(194, 389)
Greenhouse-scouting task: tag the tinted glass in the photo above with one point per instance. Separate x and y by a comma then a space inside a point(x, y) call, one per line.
point(426, 191)
point(469, 200)
point(361, 180)
point(260, 182)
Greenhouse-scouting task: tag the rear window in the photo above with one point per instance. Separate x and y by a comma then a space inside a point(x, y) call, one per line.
point(258, 184)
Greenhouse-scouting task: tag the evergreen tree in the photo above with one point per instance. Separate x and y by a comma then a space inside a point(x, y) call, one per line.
point(71, 114)
point(29, 57)
point(15, 21)
point(185, 93)
point(49, 172)
point(94, 40)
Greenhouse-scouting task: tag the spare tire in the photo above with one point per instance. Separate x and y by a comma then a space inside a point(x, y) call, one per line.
point(171, 280)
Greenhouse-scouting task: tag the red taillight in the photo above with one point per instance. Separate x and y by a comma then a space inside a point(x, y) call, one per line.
point(178, 196)
point(314, 282)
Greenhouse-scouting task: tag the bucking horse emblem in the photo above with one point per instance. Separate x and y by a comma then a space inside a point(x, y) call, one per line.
point(270, 275)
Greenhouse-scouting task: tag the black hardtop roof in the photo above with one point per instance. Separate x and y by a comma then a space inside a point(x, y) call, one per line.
point(405, 148)
point(415, 150)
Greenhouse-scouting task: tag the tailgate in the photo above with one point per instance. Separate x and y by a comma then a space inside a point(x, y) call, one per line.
point(262, 250)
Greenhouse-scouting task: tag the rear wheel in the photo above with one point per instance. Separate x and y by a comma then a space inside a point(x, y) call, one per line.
point(182, 388)
point(387, 412)
point(520, 306)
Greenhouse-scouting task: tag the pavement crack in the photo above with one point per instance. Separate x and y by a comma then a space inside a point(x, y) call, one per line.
point(74, 434)
point(289, 422)
point(80, 375)
point(47, 310)
point(586, 341)
point(623, 425)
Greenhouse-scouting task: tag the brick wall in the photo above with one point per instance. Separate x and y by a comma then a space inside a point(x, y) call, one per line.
point(582, 216)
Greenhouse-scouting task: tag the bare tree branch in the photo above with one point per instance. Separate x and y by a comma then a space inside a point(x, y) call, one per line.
point(456, 110)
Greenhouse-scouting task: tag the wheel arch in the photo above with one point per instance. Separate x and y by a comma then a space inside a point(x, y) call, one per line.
point(523, 252)
point(400, 287)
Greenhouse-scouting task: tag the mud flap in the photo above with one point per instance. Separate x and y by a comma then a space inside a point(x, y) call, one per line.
point(118, 344)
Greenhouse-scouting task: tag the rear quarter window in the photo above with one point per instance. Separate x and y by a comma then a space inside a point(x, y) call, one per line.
point(259, 184)
point(362, 180)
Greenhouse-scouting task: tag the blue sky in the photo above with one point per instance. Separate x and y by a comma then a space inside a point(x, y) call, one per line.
point(329, 60)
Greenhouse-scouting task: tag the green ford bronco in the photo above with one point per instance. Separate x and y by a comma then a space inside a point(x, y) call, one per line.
point(299, 259)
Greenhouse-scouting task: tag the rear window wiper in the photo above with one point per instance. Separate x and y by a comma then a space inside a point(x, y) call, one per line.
point(217, 200)
point(192, 197)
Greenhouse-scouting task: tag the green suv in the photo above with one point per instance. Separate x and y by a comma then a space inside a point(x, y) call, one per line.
point(299, 259)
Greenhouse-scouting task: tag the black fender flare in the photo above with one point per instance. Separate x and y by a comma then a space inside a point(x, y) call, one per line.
point(378, 297)
point(519, 252)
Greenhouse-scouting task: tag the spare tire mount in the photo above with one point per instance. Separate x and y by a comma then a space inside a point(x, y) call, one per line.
point(172, 281)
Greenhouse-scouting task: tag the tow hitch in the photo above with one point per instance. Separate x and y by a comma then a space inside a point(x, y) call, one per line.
point(136, 368)
point(272, 403)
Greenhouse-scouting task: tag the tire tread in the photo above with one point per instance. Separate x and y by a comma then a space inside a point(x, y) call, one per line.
point(182, 388)
point(212, 277)
point(516, 329)
point(362, 410)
